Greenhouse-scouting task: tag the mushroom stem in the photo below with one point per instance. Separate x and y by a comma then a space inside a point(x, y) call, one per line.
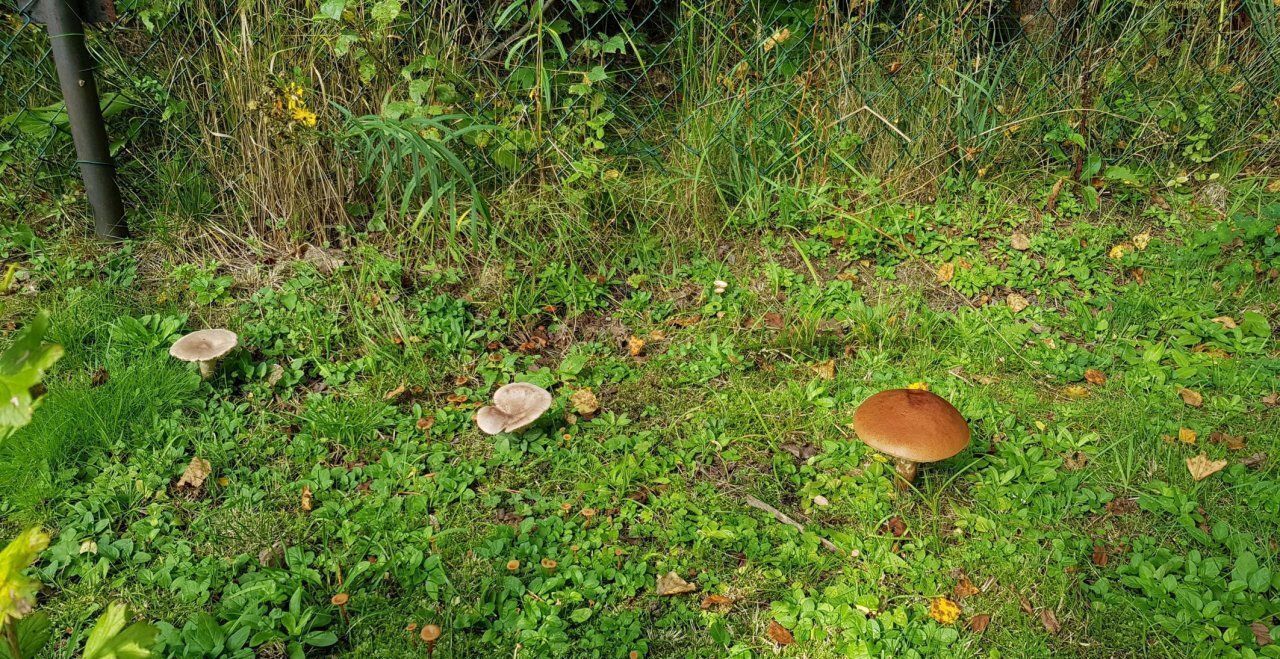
point(906, 471)
point(207, 368)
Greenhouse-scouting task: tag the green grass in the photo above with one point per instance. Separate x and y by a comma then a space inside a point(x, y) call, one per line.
point(416, 515)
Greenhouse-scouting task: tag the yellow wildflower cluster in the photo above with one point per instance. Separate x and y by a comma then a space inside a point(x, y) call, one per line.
point(294, 107)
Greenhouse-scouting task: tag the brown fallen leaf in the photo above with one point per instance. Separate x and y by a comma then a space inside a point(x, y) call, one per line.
point(1261, 634)
point(1191, 397)
point(194, 475)
point(1272, 399)
point(1025, 604)
point(1227, 322)
point(978, 623)
point(1122, 506)
point(1020, 241)
point(306, 498)
point(1099, 555)
point(99, 378)
point(394, 393)
point(584, 402)
point(1186, 435)
point(964, 588)
point(800, 451)
point(719, 602)
point(1016, 302)
point(671, 584)
point(1254, 460)
point(1075, 461)
point(685, 321)
point(1050, 621)
point(773, 320)
point(946, 272)
point(779, 634)
point(635, 346)
point(896, 526)
point(825, 370)
point(1233, 442)
point(1201, 467)
point(1094, 376)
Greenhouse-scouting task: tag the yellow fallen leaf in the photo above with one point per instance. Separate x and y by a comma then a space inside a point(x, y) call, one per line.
point(944, 610)
point(1201, 467)
point(946, 271)
point(1186, 435)
point(1020, 241)
point(1094, 376)
point(1191, 397)
point(919, 386)
point(584, 402)
point(1227, 322)
point(1119, 250)
point(635, 346)
point(1016, 302)
point(825, 370)
point(1076, 392)
point(306, 498)
point(1142, 240)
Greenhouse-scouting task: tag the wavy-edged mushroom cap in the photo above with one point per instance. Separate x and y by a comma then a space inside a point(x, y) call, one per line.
point(204, 345)
point(911, 424)
point(515, 407)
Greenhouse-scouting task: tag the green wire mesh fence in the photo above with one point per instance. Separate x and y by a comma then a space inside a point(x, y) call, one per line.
point(358, 110)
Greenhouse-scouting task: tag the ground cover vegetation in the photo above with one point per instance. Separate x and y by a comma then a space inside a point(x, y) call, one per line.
point(710, 230)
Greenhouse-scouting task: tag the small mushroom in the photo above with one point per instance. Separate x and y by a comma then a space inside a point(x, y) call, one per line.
point(205, 347)
point(430, 634)
point(912, 426)
point(515, 407)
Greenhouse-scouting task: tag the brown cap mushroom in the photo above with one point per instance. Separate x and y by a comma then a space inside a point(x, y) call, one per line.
point(912, 426)
point(515, 407)
point(205, 347)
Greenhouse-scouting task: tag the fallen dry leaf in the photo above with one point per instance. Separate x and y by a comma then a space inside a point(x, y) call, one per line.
point(1050, 621)
point(1075, 461)
point(1020, 241)
point(685, 321)
point(1272, 399)
point(1233, 442)
point(1120, 250)
point(944, 610)
point(394, 393)
point(1094, 376)
point(978, 623)
point(964, 588)
point(720, 602)
point(1099, 555)
point(1186, 435)
point(584, 402)
point(946, 272)
point(1191, 397)
point(671, 584)
point(1261, 634)
point(1227, 322)
point(825, 370)
point(1122, 506)
point(99, 378)
point(1016, 302)
point(1201, 467)
point(1254, 460)
point(1025, 604)
point(779, 634)
point(306, 498)
point(800, 451)
point(1076, 392)
point(1142, 240)
point(635, 346)
point(773, 320)
point(194, 475)
point(896, 526)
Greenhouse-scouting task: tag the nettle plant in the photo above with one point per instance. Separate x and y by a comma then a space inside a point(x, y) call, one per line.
point(25, 630)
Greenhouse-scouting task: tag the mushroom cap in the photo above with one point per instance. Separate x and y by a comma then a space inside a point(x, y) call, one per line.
point(515, 407)
point(203, 345)
point(911, 424)
point(430, 633)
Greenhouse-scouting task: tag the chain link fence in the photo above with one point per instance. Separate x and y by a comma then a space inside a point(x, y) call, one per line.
point(252, 109)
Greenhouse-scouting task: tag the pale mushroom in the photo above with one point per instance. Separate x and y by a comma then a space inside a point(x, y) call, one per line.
point(515, 407)
point(911, 426)
point(205, 347)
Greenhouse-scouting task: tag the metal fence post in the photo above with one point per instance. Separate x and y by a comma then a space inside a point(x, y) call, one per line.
point(63, 18)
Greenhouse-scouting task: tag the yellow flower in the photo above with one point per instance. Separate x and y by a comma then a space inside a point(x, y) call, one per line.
point(304, 116)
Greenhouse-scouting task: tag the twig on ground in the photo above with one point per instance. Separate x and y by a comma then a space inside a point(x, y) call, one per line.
point(782, 517)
